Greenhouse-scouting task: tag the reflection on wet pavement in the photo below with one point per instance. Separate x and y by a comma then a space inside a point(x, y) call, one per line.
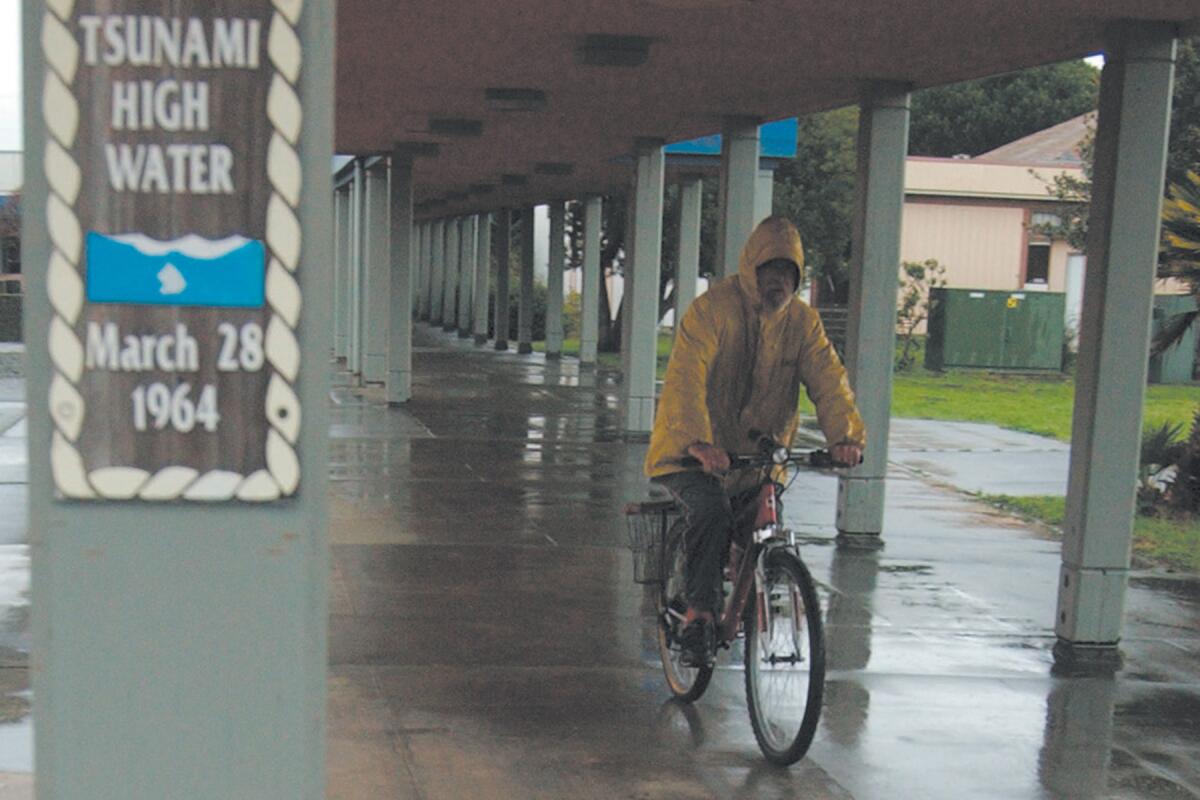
point(487, 640)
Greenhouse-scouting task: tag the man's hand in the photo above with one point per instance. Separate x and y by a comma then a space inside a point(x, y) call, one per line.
point(713, 460)
point(846, 455)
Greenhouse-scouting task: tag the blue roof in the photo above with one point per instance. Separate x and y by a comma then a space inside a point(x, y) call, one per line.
point(776, 140)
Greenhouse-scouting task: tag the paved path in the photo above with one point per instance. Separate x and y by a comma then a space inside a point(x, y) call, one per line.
point(486, 639)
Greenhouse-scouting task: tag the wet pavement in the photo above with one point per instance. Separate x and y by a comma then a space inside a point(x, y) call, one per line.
point(486, 639)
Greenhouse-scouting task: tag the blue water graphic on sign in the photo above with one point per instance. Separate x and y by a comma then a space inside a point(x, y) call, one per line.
point(191, 271)
point(776, 140)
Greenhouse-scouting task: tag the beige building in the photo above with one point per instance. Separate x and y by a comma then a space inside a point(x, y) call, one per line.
point(976, 216)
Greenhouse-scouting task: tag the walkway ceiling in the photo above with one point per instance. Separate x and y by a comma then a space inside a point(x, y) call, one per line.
point(520, 101)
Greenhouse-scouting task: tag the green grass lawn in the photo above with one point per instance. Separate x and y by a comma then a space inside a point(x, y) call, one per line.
point(1040, 404)
point(1157, 541)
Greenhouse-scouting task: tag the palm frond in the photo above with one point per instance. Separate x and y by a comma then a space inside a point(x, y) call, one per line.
point(1172, 331)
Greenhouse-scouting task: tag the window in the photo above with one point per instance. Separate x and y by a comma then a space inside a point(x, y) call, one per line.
point(1037, 263)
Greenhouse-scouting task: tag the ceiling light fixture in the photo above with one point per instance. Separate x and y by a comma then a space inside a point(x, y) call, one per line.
point(614, 50)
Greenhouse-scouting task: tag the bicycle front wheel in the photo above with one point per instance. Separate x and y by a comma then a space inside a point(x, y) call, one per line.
point(785, 659)
point(686, 683)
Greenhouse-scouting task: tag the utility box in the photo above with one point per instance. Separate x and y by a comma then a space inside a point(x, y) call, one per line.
point(995, 330)
point(1175, 365)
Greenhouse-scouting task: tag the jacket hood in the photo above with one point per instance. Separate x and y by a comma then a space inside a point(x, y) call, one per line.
point(774, 237)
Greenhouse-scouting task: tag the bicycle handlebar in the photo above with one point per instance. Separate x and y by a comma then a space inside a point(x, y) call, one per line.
point(815, 459)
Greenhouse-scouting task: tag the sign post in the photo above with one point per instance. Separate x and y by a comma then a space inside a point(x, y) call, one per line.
point(176, 151)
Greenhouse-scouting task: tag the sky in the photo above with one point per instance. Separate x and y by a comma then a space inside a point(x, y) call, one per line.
point(10, 74)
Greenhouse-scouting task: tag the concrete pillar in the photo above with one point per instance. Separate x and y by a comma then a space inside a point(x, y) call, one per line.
point(418, 255)
point(179, 643)
point(525, 307)
point(764, 195)
point(437, 272)
point(378, 273)
point(427, 271)
point(483, 265)
point(647, 235)
point(452, 259)
point(343, 285)
point(356, 270)
point(691, 198)
point(338, 265)
point(403, 269)
point(874, 281)
point(423, 272)
point(628, 290)
point(739, 181)
point(503, 248)
point(466, 274)
point(589, 324)
point(1122, 248)
point(557, 255)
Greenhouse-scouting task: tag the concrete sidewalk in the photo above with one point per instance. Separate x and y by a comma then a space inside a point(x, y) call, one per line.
point(486, 639)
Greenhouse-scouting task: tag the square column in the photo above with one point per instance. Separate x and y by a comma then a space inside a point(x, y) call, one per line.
point(739, 184)
point(418, 279)
point(503, 248)
point(342, 281)
point(691, 198)
point(483, 264)
point(525, 307)
point(643, 303)
point(423, 273)
point(627, 280)
point(1114, 337)
point(466, 274)
point(378, 273)
point(437, 268)
point(874, 281)
point(356, 270)
point(589, 328)
point(554, 281)
point(403, 269)
point(452, 259)
point(764, 195)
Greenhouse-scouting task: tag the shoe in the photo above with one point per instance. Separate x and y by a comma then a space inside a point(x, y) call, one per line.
point(698, 643)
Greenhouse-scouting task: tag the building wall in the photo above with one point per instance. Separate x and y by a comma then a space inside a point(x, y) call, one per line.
point(981, 246)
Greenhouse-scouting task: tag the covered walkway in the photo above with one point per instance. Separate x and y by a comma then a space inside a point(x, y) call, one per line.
point(487, 640)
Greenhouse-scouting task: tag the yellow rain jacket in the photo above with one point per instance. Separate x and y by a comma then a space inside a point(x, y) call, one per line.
point(735, 368)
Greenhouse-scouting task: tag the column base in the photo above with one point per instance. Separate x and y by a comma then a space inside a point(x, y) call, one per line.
point(859, 541)
point(462, 334)
point(481, 339)
point(434, 323)
point(449, 327)
point(860, 505)
point(501, 344)
point(524, 348)
point(553, 356)
point(1073, 659)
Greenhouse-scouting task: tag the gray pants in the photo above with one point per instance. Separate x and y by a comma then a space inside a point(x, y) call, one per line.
point(709, 517)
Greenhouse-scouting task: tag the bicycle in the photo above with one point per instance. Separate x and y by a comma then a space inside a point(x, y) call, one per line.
point(784, 647)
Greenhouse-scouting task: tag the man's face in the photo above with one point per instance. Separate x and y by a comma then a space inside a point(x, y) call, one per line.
point(776, 283)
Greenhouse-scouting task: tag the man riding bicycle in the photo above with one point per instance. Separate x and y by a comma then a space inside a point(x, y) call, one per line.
point(741, 353)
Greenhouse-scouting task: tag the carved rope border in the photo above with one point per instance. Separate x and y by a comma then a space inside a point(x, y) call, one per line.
point(66, 289)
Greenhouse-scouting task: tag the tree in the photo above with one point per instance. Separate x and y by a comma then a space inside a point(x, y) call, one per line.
point(10, 234)
point(816, 192)
point(1180, 255)
point(977, 116)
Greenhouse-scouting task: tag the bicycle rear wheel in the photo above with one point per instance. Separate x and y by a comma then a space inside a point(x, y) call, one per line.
point(686, 683)
point(785, 659)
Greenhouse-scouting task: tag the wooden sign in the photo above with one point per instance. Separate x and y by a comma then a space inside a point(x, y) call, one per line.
point(174, 184)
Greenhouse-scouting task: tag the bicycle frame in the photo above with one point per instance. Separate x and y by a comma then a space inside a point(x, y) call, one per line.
point(753, 544)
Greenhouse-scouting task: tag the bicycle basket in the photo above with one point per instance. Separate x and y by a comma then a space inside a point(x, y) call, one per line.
point(646, 525)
